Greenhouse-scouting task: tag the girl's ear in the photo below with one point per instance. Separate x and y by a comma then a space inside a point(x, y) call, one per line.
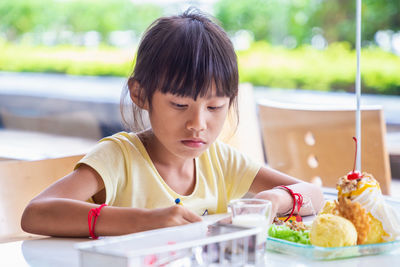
point(137, 97)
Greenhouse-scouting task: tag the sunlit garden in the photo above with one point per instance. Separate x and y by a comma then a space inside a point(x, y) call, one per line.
point(305, 44)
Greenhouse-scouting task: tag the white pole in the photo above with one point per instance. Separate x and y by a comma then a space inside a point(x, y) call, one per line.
point(358, 84)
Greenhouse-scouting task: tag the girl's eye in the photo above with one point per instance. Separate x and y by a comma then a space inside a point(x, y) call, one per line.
point(180, 106)
point(214, 108)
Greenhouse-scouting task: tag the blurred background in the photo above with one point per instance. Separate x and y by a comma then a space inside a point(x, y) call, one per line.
point(302, 44)
point(74, 55)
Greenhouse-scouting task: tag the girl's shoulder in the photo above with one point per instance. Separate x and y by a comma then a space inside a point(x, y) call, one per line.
point(121, 147)
point(223, 148)
point(118, 143)
point(122, 137)
point(228, 154)
point(223, 152)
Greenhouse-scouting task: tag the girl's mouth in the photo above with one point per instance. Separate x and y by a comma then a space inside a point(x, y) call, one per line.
point(195, 143)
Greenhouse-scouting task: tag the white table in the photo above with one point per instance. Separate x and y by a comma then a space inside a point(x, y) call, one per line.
point(26, 145)
point(60, 252)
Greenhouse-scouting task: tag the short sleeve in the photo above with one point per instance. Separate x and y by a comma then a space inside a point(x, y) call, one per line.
point(106, 158)
point(239, 170)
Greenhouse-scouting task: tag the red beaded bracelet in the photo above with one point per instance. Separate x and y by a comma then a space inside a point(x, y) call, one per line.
point(93, 214)
point(299, 201)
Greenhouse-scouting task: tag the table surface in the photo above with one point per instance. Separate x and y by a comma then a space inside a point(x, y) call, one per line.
point(60, 252)
point(25, 145)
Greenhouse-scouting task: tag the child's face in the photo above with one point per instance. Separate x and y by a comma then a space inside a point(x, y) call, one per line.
point(186, 127)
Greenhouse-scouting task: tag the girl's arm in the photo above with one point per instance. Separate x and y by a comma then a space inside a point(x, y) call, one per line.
point(62, 210)
point(267, 178)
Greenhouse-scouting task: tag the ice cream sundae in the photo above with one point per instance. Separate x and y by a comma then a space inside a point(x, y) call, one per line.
point(360, 201)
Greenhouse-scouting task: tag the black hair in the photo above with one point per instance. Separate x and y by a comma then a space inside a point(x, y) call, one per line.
point(184, 55)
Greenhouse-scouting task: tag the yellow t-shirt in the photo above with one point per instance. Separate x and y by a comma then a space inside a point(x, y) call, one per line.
point(131, 179)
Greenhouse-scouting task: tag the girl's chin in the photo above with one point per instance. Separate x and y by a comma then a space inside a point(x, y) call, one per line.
point(193, 152)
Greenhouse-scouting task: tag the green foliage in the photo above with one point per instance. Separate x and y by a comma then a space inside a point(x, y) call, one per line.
point(249, 15)
point(21, 16)
point(275, 20)
point(271, 20)
point(108, 15)
point(66, 59)
point(332, 69)
point(24, 16)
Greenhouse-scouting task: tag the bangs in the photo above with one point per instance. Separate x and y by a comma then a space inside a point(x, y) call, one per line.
point(193, 65)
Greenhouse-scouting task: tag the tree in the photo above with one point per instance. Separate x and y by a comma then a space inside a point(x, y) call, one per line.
point(18, 17)
point(274, 20)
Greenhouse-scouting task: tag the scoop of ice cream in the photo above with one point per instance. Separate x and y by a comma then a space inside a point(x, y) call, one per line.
point(330, 230)
point(376, 233)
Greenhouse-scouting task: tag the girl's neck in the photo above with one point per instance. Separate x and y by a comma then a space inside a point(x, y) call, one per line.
point(158, 154)
point(178, 173)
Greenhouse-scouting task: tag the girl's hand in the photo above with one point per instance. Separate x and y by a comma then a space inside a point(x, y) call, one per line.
point(171, 216)
point(281, 201)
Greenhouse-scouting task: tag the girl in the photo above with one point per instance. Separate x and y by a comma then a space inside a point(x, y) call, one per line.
point(186, 78)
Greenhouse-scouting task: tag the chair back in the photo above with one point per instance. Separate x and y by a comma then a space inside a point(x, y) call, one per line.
point(21, 181)
point(244, 136)
point(315, 144)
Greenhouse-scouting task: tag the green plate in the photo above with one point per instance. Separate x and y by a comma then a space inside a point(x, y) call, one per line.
point(322, 253)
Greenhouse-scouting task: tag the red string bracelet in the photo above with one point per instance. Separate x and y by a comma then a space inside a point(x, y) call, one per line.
point(299, 201)
point(93, 214)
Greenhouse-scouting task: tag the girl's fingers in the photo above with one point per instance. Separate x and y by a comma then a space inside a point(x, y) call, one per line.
point(191, 216)
point(178, 214)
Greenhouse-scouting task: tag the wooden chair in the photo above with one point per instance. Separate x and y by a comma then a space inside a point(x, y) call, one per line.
point(246, 137)
point(21, 181)
point(314, 143)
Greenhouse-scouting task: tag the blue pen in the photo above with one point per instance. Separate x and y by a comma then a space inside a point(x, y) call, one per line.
point(178, 201)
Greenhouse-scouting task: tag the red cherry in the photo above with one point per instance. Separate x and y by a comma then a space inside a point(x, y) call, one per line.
point(353, 175)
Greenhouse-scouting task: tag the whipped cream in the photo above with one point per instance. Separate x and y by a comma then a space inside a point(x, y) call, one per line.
point(369, 195)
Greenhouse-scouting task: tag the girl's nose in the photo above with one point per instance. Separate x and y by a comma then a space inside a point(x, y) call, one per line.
point(196, 122)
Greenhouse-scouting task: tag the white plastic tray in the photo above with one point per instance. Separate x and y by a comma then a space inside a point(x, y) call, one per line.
point(197, 244)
